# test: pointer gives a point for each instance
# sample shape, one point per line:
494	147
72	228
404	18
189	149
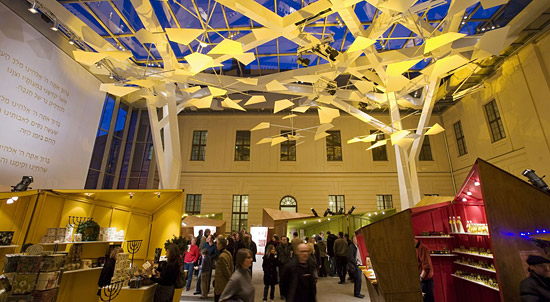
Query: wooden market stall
481	260
151	216
189	222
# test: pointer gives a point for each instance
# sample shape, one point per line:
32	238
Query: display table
142	294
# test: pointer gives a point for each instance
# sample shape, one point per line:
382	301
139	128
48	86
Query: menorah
109	292
132	246
76	221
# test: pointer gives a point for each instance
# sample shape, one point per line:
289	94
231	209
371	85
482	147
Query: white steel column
401	158
167	145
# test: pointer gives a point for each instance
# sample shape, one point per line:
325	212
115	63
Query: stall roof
431	200
7	195
146	200
191	221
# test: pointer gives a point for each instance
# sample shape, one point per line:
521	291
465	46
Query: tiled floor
328	289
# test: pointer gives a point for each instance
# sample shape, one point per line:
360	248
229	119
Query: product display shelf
8	246
472	254
476	267
443	255
82	270
49	243
433	237
470	234
475	282
95	242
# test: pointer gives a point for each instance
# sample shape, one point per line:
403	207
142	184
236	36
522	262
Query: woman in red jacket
188	262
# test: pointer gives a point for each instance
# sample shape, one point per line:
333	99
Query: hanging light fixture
33	9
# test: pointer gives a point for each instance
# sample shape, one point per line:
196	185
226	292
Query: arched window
288	204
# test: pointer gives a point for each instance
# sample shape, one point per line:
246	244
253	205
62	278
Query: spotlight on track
314	212
341	211
23	185
303	61
351	210
535	180
327	211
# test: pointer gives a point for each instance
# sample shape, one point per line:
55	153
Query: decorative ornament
89	230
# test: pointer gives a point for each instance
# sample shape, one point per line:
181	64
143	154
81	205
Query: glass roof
117	21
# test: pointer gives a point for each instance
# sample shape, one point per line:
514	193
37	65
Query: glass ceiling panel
140	53
185	19
269	63
81	13
163	14
108	16
287	7
439	12
286	46
128	11
364	11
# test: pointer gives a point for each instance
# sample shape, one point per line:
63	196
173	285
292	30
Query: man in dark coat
536	287
284	253
330	251
299	280
341	255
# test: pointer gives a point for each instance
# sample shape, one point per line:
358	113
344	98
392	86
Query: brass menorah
132	246
110	292
76	221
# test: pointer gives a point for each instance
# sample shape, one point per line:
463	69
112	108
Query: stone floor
328	289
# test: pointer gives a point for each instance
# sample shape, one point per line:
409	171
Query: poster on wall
49	109
259	235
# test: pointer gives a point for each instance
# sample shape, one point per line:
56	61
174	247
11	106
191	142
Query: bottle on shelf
459	225
455	225
452	225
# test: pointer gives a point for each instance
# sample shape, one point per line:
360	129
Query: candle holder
76	221
109	292
133	246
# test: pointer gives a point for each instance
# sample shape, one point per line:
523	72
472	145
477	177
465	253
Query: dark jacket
283	254
298	282
322	245
106	273
535	288
254	250
270	269
212	250
206	264
341	247
330	244
168	274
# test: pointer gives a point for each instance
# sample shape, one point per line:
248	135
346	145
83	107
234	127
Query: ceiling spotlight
23	185
341	211
476	183
329	219
314	212
327	211
469	193
158	196
111	76
54	26
202	44
98	65
33	8
535	180
303	61
464	199
131	195
9	201
351	210
71	42
304	222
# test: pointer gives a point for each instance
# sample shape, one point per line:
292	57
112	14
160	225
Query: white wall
49	109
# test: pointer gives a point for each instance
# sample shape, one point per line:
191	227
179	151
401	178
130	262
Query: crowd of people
292	265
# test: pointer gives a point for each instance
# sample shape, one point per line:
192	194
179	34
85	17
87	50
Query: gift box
6	237
69	233
23	284
28	263
20	298
47	280
45	295
86	263
52	262
51	232
61	232
77	238
10	263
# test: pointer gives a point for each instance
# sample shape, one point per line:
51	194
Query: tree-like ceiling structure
335	56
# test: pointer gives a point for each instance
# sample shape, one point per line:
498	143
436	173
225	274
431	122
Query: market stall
189	224
478	251
139	221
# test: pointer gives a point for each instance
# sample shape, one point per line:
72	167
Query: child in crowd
205	271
